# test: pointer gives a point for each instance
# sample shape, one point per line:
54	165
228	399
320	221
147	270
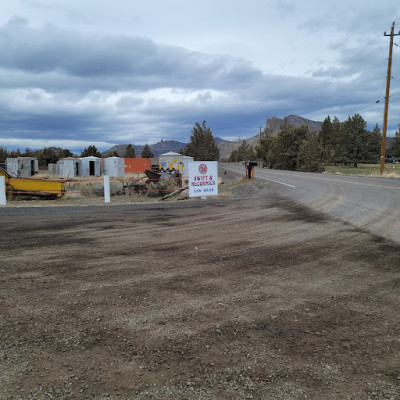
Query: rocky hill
274	123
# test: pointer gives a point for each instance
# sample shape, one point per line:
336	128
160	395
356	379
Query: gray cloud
116	62
77	85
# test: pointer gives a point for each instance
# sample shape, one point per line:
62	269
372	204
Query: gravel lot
249	297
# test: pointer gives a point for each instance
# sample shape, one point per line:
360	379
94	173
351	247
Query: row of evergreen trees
395	145
45	156
298	148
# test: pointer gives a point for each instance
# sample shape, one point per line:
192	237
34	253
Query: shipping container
137	164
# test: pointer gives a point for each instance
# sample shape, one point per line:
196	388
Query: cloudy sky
80	72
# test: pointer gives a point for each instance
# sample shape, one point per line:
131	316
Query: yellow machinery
32	187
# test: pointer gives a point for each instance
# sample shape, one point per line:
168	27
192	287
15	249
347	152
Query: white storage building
52	169
22	167
69	167
91	166
185	161
114	167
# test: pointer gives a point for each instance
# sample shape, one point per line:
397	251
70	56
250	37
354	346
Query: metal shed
69	167
185	161
22	167
91	166
114	167
52	169
175	161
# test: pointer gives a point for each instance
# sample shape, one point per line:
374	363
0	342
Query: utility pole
385	114
260	161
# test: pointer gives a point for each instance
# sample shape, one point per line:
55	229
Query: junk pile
162	183
155	183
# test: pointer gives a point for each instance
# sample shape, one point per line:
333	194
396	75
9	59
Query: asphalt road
369	203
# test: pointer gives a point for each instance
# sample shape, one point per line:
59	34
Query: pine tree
130	152
395	145
113	153
3	154
244	152
264	149
287	146
325	134
311	156
91	151
47	156
202	145
28	152
146	152
64	153
15	154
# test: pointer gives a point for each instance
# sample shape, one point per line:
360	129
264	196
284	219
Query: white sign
203	178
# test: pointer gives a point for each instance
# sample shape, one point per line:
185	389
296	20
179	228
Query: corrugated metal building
22	167
114	167
91	166
69	167
52	169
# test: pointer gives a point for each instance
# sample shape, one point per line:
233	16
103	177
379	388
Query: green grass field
391	170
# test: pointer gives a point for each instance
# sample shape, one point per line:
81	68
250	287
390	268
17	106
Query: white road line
266	179
282	183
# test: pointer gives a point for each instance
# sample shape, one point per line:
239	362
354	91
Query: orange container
137	164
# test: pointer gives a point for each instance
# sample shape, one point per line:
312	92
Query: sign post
203	178
106	189
3	200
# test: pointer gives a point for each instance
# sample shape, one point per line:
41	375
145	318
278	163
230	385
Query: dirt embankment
228	299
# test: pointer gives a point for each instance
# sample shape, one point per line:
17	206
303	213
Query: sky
86	72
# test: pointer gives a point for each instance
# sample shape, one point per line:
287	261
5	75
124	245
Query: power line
353	62
392	95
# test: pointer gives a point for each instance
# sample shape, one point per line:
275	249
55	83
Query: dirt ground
256	298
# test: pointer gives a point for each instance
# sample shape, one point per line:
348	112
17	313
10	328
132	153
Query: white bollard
3	200
106	189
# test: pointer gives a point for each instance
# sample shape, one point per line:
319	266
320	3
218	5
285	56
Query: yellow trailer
32	187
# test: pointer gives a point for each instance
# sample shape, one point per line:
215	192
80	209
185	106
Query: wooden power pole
385	114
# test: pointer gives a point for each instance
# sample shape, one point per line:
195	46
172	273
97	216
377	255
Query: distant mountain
119	148
158	148
274	125
218	140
